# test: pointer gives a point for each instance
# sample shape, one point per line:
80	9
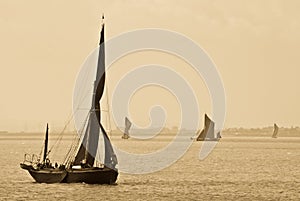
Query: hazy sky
255	45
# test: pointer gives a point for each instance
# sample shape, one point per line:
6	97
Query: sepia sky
254	44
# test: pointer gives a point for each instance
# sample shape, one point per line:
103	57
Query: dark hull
47	175
91	176
208	139
125	136
87	175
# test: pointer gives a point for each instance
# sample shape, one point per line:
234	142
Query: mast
108	113
89	145
88	148
46	144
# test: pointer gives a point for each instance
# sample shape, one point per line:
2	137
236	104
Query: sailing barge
127	127
275	131
81	166
208	132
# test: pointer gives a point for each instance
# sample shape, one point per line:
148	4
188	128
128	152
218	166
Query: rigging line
61	133
40	156
84	97
85	76
77	109
71	117
41	152
67	156
99	156
72	149
108	112
91	87
82	108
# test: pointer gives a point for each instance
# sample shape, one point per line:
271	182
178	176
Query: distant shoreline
229	132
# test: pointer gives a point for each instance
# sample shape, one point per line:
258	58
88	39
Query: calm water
239	168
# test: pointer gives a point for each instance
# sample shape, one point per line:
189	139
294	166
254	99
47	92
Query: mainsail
208	131
275	132
89	144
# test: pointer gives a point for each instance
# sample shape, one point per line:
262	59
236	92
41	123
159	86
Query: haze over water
254	45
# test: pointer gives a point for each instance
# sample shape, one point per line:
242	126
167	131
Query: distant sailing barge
275	132
127	127
208	132
80	164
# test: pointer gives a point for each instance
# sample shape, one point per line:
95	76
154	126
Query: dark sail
46	145
275	132
110	158
100	78
127	127
81	154
201	134
90	140
208	131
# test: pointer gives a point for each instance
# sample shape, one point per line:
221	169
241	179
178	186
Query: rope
72	151
41	152
61	134
83	87
71	116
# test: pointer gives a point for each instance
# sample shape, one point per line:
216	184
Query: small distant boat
219	135
208	132
127	127
275	131
80	164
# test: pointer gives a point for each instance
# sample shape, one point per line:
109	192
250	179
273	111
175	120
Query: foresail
110	158
92	144
81	153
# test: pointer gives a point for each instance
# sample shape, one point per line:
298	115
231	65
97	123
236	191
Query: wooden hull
87	175
47	175
91	176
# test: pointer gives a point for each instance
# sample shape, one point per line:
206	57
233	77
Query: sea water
239	168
